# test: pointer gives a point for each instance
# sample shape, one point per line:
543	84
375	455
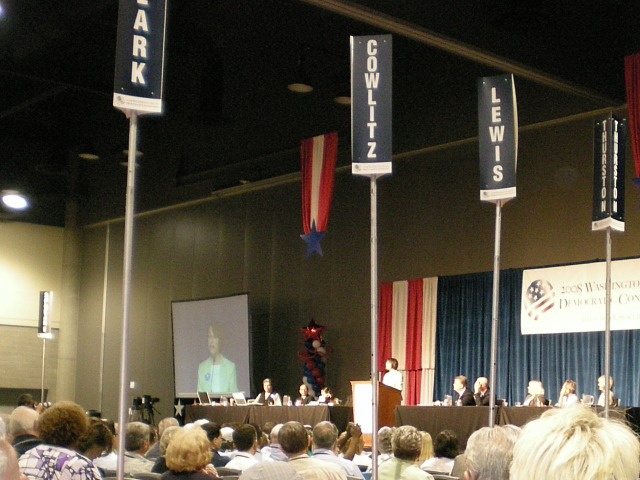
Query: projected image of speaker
211	346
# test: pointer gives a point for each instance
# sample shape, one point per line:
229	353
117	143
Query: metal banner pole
607	329
126	288
44	348
374	325
495	315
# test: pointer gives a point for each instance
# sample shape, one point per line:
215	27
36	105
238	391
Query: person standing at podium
393	378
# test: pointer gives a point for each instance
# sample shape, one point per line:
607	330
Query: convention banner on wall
572	298
497	137
608	174
140	56
371	88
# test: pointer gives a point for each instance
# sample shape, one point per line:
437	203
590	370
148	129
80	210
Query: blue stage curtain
463	345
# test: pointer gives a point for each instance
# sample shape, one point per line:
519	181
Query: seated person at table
216	374
575	443
462	397
268	396
304	397
445	448
245	439
613	401
326	396
482	392
568	395
406	443
393	378
535	395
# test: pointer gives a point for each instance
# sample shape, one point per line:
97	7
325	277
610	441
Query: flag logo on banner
541	297
318	157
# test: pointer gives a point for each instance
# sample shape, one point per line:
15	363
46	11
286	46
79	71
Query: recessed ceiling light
89	156
14	200
300	87
138	152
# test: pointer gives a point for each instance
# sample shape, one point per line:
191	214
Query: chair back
227	472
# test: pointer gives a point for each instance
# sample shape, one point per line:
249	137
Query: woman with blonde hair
188	456
427	448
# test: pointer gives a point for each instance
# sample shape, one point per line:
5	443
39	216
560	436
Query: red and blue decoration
318	157
632	81
314	357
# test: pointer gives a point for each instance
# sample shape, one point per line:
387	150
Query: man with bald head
22	427
325	439
294	442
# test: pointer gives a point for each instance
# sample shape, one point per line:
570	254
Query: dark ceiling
229	118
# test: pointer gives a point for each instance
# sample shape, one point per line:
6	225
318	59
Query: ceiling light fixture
301	83
14	200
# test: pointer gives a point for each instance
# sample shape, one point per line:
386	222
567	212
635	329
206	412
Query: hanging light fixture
301	82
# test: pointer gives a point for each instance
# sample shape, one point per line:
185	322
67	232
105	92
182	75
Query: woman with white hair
575	443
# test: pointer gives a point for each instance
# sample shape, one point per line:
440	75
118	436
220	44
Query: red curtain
385	314
632	79
414	342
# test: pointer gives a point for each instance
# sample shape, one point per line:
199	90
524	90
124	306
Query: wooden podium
388	399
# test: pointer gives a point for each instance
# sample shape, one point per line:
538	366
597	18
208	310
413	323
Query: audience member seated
293	440
489	453
575	443
188	456
325	440
568	395
160	465
60	427
97	439
215	437
482	392
385	451
445	448
406	443
271	471
9	463
108	461
26	400
350	442
274	452
426	451
535	395
261	441
393	378
268	396
22	427
462	397
154	452
136	444
613	401
246	441
304	397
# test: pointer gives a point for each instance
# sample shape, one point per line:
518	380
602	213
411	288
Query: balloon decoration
314	357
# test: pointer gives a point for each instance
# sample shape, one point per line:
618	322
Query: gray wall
430	223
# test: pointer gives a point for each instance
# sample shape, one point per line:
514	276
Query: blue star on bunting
313	241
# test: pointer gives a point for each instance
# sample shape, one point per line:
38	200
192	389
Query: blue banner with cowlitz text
371	88
497	137
608	174
140	56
